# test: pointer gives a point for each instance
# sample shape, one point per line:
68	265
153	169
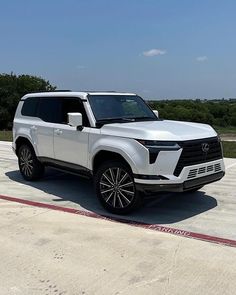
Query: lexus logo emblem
205	147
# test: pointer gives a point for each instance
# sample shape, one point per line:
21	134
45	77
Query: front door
70	144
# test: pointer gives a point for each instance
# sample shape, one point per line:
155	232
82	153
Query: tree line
12	88
220	113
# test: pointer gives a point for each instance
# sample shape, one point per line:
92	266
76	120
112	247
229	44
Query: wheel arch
106	155
22	140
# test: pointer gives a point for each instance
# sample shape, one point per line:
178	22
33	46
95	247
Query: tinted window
73	105
49	110
30	107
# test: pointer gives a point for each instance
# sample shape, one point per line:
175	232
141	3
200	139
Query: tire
115	188
30	167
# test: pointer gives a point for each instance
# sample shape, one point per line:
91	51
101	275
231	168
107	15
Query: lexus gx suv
118	141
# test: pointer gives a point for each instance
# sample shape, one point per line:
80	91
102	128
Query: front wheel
115	188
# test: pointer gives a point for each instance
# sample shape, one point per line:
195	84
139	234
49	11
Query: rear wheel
29	165
115	188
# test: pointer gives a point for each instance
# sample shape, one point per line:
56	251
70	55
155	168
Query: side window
30	107
49	110
73	105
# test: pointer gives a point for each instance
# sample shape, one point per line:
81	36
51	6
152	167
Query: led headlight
161	145
155	147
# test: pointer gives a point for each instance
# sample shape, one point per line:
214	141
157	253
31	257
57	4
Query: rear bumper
180	187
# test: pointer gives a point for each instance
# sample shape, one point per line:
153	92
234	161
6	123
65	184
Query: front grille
193	154
206	169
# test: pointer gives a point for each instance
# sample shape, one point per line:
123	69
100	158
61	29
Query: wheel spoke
27	170
123	178
117	175
108	179
24	153
126	184
125	198
118	196
127	192
28	155
114	199
108	198
107	190
105	184
112	175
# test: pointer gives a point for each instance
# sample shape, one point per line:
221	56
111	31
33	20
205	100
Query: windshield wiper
145	118
101	122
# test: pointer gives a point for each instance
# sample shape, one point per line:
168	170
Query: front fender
127	148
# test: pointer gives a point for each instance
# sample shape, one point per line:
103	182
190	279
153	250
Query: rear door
48	114
70	144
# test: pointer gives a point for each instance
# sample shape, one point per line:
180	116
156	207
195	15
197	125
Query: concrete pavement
50	252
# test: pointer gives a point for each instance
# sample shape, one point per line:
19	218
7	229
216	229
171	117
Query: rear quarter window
30	107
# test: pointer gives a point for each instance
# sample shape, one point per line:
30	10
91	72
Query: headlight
154	147
160	145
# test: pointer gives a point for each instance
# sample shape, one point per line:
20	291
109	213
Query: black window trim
55	97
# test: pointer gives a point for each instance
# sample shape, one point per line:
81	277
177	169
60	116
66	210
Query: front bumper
179	187
190	177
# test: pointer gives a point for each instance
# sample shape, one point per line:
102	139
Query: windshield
126	108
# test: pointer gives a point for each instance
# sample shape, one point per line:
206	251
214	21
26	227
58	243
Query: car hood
160	130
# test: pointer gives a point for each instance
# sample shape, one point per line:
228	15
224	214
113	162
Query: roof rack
98	91
61	90
36	91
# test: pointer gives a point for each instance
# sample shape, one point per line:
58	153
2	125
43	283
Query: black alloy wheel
116	188
29	165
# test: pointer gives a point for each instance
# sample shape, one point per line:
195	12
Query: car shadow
162	208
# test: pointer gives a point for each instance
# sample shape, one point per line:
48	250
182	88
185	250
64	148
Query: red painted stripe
156	227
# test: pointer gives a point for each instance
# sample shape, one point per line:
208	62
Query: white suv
116	139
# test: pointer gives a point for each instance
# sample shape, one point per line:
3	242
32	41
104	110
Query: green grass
229	147
231	130
6	135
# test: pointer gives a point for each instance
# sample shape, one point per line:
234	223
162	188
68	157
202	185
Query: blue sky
157	48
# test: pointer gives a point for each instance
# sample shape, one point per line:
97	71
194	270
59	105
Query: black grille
193	154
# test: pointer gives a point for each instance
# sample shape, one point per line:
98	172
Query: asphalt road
49	252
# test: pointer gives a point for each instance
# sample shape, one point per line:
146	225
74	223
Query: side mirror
75	119
156	113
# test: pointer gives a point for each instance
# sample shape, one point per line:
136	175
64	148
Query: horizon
168	49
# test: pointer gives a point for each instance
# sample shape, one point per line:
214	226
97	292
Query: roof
82	94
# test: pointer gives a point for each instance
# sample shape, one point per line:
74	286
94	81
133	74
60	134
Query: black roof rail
61	90
98	91
35	91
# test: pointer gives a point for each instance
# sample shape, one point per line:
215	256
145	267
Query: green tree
12	88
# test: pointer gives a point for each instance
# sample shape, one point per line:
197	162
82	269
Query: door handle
58	131
34	128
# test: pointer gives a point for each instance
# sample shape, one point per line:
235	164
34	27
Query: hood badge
205	147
